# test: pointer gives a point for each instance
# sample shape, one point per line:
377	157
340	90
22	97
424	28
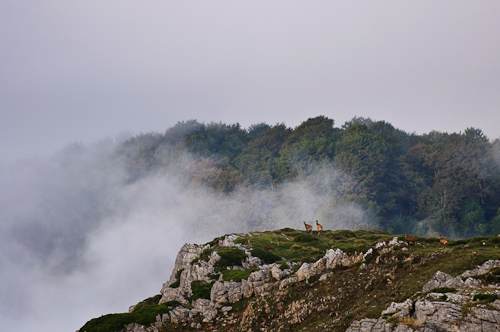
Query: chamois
410	239
320	228
308	227
444	241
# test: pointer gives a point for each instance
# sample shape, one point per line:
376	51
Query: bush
144	315
201	290
304	238
444	290
237	275
266	256
230	256
177	282
485	297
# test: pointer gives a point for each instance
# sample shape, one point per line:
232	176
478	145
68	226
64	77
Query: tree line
423	184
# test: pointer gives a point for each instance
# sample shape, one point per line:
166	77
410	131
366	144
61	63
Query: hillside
434	183
290	280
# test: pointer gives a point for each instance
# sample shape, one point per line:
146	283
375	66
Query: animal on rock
410	239
308	227
320	228
443	241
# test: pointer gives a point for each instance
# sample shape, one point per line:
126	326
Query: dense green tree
426	184
311	142
260	160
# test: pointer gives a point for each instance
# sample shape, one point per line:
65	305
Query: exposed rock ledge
455	310
187	269
431	310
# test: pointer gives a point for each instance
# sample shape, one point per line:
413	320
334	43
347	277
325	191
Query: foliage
266	256
434	183
143	314
201	290
485	297
365	293
237	275
230	256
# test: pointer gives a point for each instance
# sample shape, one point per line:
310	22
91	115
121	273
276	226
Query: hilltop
290	280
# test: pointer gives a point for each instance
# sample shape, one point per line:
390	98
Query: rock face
185	272
332	259
450	311
446	303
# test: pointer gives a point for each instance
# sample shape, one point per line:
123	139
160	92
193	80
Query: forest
429	184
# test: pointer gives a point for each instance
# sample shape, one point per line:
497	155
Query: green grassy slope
349	293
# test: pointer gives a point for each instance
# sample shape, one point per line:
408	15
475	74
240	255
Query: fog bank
78	239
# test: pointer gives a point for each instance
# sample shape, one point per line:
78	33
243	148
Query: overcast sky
86	70
83	71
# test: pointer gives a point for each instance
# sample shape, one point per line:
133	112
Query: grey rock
442	315
482	269
370	325
288	281
179	314
441	280
400	310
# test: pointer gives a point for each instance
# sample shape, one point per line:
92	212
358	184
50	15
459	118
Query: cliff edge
288	280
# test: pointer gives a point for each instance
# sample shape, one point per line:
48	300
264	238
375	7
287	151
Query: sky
81	72
76	243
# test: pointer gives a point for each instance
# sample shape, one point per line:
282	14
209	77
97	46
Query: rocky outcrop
189	267
446	303
331	259
454	310
178	288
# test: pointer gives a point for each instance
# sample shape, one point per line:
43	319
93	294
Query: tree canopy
424	184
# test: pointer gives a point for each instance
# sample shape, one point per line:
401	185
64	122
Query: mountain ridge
289	280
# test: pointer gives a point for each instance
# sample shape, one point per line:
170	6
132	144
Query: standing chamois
410	239
308	228
443	241
320	228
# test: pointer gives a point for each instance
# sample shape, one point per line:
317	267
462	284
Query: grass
444	290
237	275
201	290
144	314
266	256
485	298
358	293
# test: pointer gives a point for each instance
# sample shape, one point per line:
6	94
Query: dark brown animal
308	227
320	228
410	239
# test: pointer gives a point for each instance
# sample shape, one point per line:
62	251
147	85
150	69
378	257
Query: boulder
400	310
441	280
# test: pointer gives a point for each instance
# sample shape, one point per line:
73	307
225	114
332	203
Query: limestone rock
288	281
441	280
370	325
189	272
482	269
438	314
400	310
179	314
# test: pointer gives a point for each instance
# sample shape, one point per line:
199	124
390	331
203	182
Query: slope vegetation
290	280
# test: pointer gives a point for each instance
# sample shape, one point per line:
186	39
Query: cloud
79	240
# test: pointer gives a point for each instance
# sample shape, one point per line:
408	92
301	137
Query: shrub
444	290
201	290
144	315
177	282
229	256
237	275
485	297
305	238
266	256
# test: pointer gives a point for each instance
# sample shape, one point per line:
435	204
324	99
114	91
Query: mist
78	239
